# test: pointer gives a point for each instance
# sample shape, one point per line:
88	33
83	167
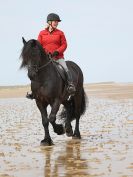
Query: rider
53	41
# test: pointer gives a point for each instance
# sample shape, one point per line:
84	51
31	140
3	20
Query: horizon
92	83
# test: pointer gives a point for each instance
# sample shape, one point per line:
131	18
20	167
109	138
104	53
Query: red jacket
54	41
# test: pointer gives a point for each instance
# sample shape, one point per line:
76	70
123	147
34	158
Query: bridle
36	68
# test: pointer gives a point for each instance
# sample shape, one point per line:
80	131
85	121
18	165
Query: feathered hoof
47	142
76	136
69	132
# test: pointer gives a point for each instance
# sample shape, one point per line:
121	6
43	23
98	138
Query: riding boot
71	87
30	96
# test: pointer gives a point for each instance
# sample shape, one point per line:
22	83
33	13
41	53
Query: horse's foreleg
47	141
58	128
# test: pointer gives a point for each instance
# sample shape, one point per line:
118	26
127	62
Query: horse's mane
32	50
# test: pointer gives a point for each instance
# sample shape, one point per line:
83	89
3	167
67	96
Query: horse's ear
33	44
24	41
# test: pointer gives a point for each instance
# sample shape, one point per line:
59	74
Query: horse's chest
44	94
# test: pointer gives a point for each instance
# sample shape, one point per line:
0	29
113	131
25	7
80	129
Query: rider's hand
55	54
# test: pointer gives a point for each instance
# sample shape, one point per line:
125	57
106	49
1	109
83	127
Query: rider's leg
30	96
71	87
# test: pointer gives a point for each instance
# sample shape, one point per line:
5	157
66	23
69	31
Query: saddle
61	71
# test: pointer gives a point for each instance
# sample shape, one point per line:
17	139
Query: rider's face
54	24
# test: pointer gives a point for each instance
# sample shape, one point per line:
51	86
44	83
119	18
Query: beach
105	149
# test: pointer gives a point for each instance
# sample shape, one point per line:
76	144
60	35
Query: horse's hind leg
58	128
68	126
47	141
76	134
77	101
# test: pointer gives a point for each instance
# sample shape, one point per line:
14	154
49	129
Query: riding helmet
53	17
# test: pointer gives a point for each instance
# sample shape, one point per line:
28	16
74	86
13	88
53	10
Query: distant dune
110	90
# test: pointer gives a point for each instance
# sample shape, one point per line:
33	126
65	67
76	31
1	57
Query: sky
99	34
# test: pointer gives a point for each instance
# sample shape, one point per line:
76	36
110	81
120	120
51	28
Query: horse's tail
71	107
83	102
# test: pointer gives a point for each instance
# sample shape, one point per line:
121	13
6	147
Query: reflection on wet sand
69	161
47	161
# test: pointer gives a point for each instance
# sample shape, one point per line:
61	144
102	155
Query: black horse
49	88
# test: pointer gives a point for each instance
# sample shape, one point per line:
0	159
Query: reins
36	68
51	60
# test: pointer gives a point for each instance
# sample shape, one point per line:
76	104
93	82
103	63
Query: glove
55	54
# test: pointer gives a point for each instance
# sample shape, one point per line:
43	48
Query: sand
106	147
13	91
104	90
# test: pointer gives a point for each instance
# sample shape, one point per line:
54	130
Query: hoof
59	129
76	136
69	132
46	142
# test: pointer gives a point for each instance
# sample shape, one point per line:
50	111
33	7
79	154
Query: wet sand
106	147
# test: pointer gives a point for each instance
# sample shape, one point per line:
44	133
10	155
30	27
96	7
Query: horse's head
32	54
